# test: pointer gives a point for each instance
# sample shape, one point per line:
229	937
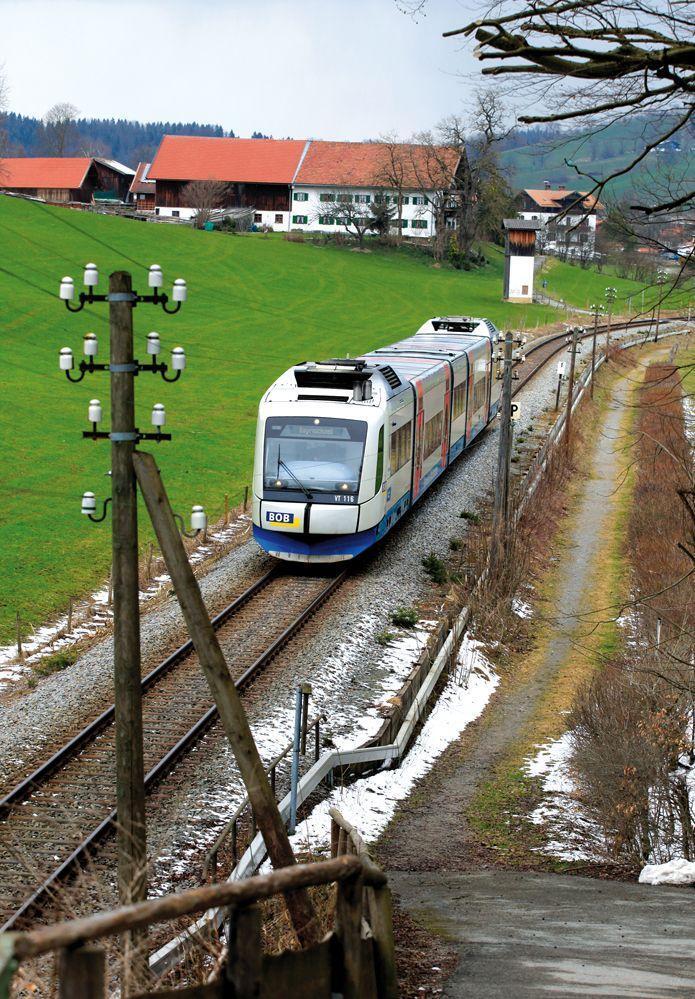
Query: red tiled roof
364	164
140	186
549	198
54	172
251	161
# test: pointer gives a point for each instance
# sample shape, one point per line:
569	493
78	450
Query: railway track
53	818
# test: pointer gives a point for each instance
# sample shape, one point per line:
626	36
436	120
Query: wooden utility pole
130	788
501	503
574	341
596	310
231	710
611	295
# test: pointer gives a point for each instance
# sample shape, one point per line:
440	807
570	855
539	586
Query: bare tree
357	216
435	168
61	129
393	174
614	58
483	196
204	196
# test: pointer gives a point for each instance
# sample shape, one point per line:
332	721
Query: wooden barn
258	173
142	190
65	179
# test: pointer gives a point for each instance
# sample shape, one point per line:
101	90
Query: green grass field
256	305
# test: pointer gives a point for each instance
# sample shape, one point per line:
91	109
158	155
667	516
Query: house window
156	211
362	199
418	199
300	219
278	219
419	223
459	400
301	196
433	434
345	198
406	200
258	217
524	289
403	223
326	220
326	196
176	213
401	444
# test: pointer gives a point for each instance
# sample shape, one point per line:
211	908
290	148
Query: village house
295	184
142	190
66	179
568	219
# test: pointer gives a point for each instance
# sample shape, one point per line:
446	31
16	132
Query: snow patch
675	872
521	608
94	613
370	803
570	833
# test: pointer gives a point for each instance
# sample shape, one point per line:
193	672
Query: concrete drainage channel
388	748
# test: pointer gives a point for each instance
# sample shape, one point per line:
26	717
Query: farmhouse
408	177
142	190
295	184
574	234
258	174
66	179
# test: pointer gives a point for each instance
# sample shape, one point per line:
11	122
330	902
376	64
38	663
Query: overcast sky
333	69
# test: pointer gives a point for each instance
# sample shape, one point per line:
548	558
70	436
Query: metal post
559	388
317	736
593	354
295	760
576	331
658	632
501	505
306	691
130	788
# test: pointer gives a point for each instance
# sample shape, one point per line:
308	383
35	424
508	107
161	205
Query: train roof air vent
390	375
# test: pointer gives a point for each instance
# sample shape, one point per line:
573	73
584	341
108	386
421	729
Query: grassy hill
600	153
256	305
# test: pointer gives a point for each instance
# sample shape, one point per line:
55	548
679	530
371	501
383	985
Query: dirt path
435	815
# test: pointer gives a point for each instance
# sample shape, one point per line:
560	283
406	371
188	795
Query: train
345	448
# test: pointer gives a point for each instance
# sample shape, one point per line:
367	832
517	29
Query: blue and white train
344	448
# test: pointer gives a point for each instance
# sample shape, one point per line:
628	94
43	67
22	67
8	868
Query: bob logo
280	518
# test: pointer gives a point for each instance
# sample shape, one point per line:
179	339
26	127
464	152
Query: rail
355	958
105	827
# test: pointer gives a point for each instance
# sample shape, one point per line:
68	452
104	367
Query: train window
460	400
318	454
433	434
379	462
479	387
401	447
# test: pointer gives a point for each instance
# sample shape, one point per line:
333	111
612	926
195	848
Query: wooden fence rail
355	959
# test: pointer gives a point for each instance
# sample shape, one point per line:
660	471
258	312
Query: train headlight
344	486
278	483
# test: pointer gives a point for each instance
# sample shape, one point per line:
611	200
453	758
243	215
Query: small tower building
519	254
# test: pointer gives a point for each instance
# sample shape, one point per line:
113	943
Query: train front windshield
315	454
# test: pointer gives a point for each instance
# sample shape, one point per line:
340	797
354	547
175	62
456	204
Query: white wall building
567	218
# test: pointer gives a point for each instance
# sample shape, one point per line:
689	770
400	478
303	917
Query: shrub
455	544
405	617
470	516
435	568
384	637
55	663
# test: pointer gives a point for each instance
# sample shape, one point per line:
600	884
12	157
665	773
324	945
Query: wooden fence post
224	692
245	951
348	916
226	508
246	497
82	972
381	922
20	650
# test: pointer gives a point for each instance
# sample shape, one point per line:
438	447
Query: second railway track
52	818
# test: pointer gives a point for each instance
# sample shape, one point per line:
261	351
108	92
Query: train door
419	436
